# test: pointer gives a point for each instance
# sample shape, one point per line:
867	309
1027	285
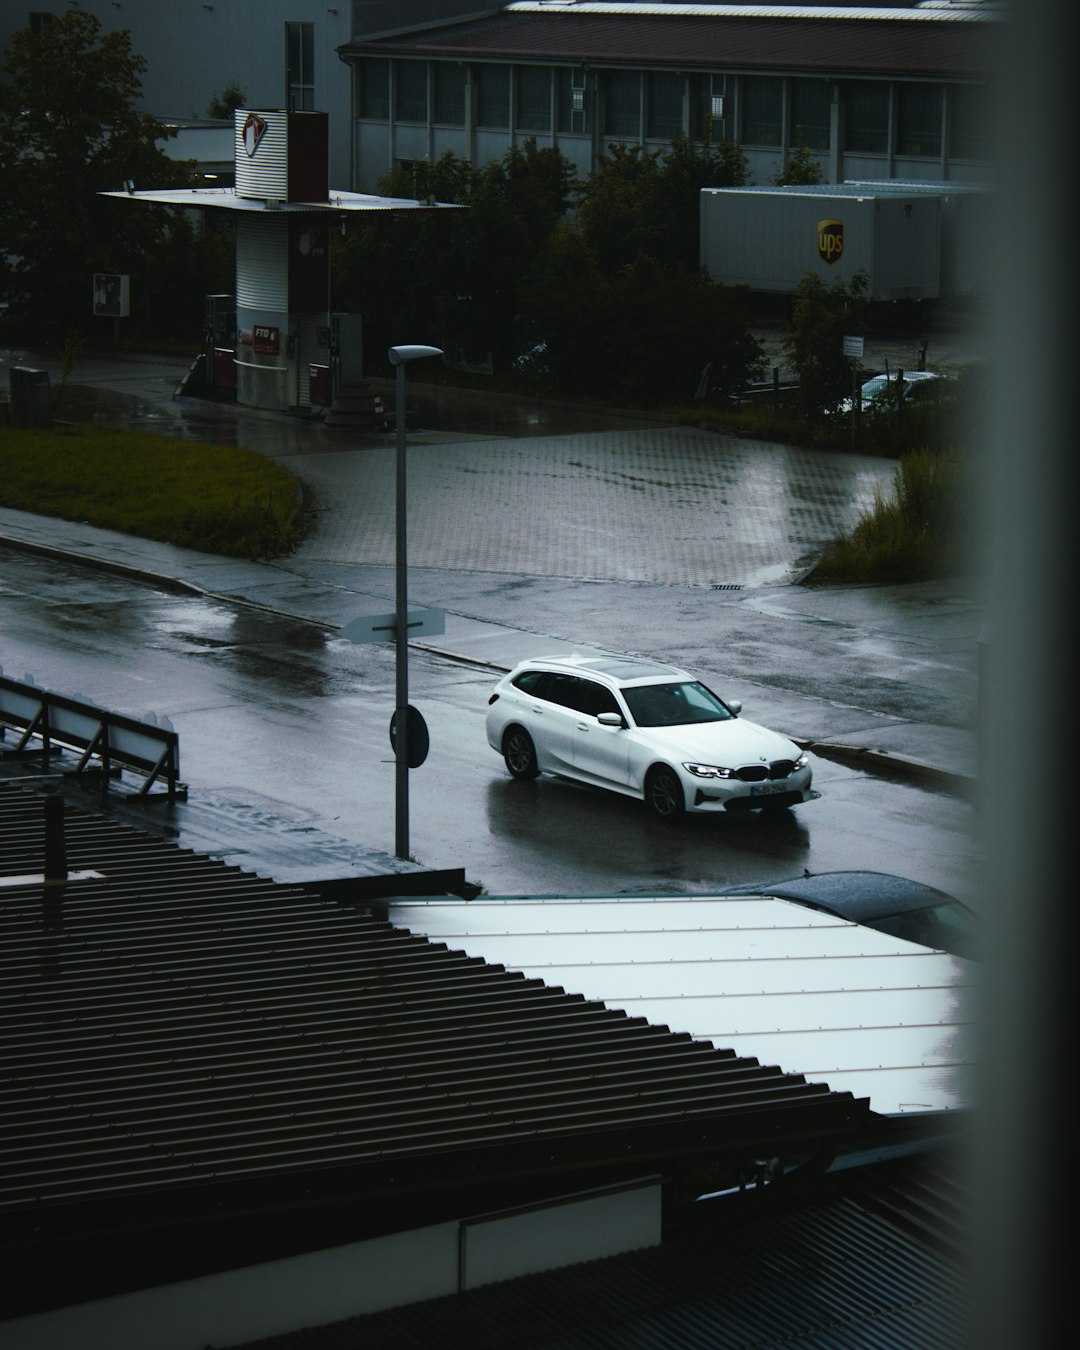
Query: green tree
638	203
803	169
456	278
69	130
821	316
223	105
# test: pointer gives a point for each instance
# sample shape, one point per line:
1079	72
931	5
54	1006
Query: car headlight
802	761
708	771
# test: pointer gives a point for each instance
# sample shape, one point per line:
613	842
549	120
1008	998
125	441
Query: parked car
891	904
643	729
881	392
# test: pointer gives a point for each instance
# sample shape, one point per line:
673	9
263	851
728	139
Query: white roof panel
814	995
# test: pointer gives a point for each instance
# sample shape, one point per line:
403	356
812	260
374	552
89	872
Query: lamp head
400	355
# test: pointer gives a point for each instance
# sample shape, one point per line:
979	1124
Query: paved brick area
665	504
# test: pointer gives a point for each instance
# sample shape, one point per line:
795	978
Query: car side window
534	683
567	691
600	700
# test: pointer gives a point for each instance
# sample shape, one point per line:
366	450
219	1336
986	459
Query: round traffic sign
416	750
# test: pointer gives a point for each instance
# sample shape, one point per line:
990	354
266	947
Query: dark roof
809	45
190	1050
875	1255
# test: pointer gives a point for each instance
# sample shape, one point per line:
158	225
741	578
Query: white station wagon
644	729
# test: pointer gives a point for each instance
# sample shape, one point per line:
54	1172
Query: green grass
218	499
919	533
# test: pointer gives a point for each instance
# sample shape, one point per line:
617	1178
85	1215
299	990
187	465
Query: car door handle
583	726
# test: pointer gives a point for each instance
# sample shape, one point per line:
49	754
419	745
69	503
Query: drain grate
727	586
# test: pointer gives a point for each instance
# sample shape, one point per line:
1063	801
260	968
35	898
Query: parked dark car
895	905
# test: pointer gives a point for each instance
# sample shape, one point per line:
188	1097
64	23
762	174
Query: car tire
519	753
664	793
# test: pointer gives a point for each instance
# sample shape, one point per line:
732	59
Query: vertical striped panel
265	172
262	262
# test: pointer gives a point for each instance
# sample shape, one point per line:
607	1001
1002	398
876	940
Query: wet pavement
625	534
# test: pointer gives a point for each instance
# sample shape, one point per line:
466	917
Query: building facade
871	93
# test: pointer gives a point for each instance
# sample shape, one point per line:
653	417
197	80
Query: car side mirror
610	719
735	704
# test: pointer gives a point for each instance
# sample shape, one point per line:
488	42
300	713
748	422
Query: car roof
855	895
620	669
908	375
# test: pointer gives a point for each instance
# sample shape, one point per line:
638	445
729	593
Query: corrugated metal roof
181	1040
802	43
839	1003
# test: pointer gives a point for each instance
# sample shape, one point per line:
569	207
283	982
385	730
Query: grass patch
919	533
218	499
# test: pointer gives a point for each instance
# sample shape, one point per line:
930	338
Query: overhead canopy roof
225	199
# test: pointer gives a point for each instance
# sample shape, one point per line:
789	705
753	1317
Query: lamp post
400	357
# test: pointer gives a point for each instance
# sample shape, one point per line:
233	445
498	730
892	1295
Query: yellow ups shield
830	240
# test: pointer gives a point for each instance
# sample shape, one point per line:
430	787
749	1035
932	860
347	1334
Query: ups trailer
968	230
767	239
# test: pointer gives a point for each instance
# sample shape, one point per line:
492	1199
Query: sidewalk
659	539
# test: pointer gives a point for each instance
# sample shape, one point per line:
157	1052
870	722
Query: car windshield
947	928
876	387
680	703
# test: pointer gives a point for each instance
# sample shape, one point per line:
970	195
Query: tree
69	130
638	203
803	169
821	316
223	105
457	278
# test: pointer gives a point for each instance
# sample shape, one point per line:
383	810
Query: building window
866	118
762	110
571	101
449	93
622	105
969	123
375	89
664	119
493	96
711	109
300	67
38	19
811	114
533	92
918	120
410	91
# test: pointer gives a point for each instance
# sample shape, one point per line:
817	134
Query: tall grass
920	532
218	499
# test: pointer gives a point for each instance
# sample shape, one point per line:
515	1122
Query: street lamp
400	357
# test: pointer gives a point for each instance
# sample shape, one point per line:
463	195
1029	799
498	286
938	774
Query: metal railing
43	723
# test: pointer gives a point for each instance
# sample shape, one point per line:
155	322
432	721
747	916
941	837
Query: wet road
282	716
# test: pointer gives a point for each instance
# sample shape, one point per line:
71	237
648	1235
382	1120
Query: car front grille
758	773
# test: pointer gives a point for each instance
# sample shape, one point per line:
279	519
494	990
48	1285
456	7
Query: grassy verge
921	532
217	499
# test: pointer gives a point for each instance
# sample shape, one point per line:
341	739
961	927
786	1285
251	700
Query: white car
882	391
644	729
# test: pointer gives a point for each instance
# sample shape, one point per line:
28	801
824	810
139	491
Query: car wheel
520	753
664	793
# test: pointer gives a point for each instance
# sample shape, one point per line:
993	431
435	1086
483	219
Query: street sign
383	627
853	346
419	741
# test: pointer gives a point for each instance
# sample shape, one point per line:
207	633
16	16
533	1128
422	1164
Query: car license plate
765	789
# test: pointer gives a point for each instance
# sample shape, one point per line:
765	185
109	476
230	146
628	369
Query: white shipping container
769	238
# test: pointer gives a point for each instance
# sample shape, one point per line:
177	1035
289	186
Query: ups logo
830	240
